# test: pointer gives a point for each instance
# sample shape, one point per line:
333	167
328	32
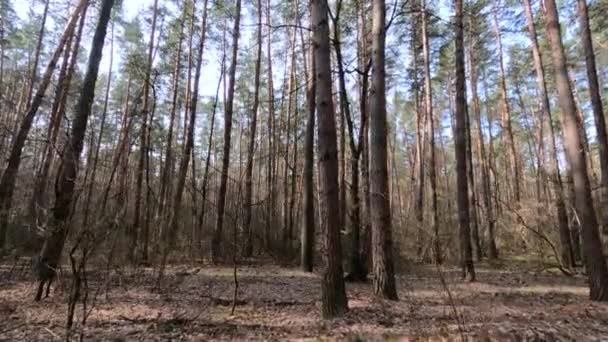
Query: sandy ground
283	304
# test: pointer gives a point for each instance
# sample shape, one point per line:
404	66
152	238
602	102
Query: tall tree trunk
382	244
168	169
143	148
308	230
248	248
428	105
597	271
511	161
598	110
466	253
271	135
57	113
333	294
567	254
171	233
481	149
66	180
37	53
420	144
9	177
221	197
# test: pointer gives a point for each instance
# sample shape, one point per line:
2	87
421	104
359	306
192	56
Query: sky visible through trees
267	169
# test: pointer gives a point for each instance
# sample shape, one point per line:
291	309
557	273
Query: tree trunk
168	169
598	111
382	244
248	248
428	105
334	302
567	254
57	113
9	177
143	148
101	132
37	53
511	161
481	149
466	253
597	271
171	233
221	197
66	180
308	230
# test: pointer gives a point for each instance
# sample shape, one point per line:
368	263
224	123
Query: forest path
283	304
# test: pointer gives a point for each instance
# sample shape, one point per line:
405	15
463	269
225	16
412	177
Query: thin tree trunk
511	161
171	233
221	198
37	53
483	158
248	248
308	230
143	148
9	177
168	169
428	105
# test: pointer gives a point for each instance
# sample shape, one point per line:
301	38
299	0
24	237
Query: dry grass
283	304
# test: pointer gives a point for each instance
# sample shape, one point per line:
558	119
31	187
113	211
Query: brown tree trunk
597	271
168	169
66	180
598	110
481	150
248	248
37	53
271	210
9	177
567	254
428	105
221	197
171	233
382	244
101	132
143	149
466	253
308	230
57	113
511	161
334	302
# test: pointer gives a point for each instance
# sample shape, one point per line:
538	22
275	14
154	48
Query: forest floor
505	304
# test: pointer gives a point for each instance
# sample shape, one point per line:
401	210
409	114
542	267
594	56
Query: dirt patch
283	304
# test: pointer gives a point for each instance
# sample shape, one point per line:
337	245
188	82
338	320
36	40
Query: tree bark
428	105
466	253
511	161
66	180
598	110
597	271
567	254
221	197
143	148
334	302
382	244
248	248
9	177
